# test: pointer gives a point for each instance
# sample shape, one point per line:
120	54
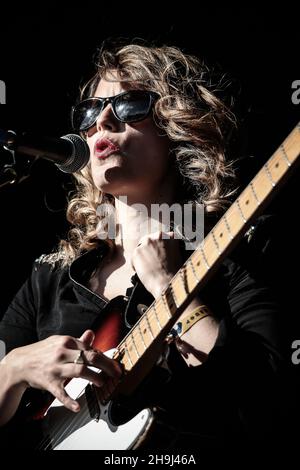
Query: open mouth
104	148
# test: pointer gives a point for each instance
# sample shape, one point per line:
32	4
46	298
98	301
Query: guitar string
60	430
133	336
76	421
55	433
127	341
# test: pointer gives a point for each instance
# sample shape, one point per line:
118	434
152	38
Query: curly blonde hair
191	114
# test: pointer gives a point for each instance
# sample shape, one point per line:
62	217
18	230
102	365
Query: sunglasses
129	106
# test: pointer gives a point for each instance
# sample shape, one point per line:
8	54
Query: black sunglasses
128	106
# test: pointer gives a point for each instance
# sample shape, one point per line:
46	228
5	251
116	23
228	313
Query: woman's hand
156	260
49	363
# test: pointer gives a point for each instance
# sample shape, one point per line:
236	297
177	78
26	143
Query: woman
157	135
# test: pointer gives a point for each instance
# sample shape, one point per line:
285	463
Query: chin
106	187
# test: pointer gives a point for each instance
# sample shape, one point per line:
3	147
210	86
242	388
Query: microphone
70	152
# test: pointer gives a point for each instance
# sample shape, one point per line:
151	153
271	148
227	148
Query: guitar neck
200	266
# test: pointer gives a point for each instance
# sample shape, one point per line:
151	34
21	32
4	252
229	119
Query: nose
106	120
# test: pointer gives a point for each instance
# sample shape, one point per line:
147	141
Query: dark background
46	52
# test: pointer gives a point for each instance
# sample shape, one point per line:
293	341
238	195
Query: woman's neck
136	217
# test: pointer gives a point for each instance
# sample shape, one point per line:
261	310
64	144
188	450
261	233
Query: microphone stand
15	171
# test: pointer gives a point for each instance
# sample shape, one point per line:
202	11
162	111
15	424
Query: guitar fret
156	316
174	296
215	241
128	355
285	155
135	346
141	334
269	174
227	226
183	280
169	299
193	270
254	193
166	306
204	257
149	326
240	210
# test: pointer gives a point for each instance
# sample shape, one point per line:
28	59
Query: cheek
90	143
156	152
146	143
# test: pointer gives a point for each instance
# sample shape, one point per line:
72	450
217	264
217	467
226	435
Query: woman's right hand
47	365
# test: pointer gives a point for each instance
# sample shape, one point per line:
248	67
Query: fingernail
75	407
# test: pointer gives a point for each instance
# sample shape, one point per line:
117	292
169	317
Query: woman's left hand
156	260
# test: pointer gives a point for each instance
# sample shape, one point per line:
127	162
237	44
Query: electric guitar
95	426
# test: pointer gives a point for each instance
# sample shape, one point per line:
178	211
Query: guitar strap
139	299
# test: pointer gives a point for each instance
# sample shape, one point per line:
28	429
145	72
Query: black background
46	52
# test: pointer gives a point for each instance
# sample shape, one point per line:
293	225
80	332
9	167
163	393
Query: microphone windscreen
79	157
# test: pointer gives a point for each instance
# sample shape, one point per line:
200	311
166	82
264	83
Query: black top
232	394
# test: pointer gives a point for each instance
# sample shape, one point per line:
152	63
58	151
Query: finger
107	389
79	356
94	358
132	266
142	239
70	343
60	393
97	359
170	234
111	385
161	235
87	338
82	371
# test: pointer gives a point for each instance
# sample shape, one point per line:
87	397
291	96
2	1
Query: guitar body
92	428
97	426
